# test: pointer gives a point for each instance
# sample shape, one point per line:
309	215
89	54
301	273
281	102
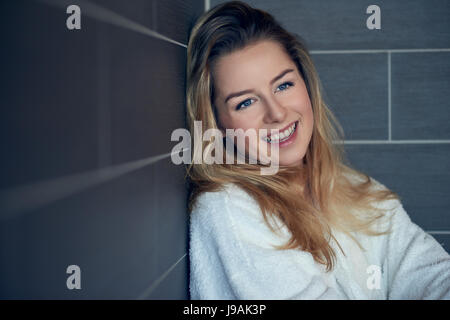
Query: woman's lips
280	130
291	138
281	142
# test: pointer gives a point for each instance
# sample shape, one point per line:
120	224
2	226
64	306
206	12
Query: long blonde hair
330	197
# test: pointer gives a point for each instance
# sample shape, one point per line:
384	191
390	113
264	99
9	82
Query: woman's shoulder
233	211
233	205
229	199
226	193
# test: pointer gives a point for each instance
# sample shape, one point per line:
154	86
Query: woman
316	229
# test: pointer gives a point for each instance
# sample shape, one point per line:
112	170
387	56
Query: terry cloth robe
232	257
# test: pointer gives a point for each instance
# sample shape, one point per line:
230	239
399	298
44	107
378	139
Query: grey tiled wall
389	89
85	173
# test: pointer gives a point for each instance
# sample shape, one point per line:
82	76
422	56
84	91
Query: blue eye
285	86
282	87
244	103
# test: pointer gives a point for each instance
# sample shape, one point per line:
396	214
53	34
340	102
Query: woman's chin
291	162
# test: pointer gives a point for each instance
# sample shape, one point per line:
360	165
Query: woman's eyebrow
240	93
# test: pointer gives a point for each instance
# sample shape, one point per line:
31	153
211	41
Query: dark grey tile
357	95
175	18
49	90
123	235
444	240
146	98
73	101
332	25
419	173
172	19
138	11
420	91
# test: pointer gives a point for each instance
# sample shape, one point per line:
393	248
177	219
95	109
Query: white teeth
282	136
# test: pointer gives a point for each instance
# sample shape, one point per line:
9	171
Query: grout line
105	15
155	283
17	200
378	51
207	5
389	97
438	232
394	142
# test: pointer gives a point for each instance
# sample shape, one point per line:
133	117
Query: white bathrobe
231	257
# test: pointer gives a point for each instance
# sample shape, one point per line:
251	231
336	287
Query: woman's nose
274	111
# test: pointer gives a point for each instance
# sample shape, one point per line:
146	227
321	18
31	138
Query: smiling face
260	87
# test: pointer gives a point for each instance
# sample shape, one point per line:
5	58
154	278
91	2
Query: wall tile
176	17
419	173
357	96
334	25
78	101
146	94
139	11
444	240
48	122
123	234
175	286
420	91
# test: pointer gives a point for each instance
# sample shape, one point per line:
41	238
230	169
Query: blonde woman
316	229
